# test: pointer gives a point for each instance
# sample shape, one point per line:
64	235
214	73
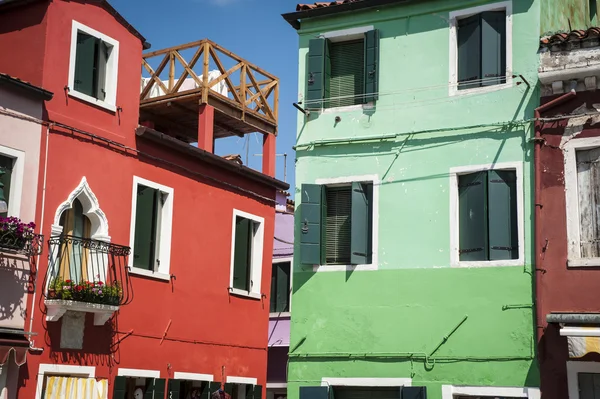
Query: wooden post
206	123
205	68
268	158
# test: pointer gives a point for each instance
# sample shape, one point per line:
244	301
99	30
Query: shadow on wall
14	285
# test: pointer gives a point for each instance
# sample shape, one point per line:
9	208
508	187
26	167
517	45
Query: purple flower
100	292
66	287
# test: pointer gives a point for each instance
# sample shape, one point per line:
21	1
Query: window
583	380
343	70
132	387
337	223
151	228
6	173
484	397
12	165
243	388
74	257
93	69
482	392
363	391
281	287
246	254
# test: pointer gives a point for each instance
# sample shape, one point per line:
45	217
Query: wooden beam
169	49
224	75
264	102
154	76
188	68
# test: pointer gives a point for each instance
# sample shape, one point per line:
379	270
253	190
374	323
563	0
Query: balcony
86	275
17	237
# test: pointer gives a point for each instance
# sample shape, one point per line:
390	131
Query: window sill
244	293
136	271
491	263
280	314
454	92
347	108
583	262
92	100
344	268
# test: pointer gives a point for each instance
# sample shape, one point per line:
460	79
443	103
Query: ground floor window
68	386
138	387
363	392
583	379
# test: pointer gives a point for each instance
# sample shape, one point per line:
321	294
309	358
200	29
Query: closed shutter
145	228
346	84
244	233
472	213
102	60
174	388
589	385
493	47
469	52
371	65
257	391
588	181
502	215
85	59
149	391
314	393
361	224
214	386
229	388
414	393
159	388
280	287
366	393
316	73
311	215
120	388
338	225
6	166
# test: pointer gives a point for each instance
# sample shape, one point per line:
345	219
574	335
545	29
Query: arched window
75	253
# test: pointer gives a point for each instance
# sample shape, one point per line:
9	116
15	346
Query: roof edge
32	89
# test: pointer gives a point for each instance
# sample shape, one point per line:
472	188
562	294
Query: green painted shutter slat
469	52
257	391
273	299
365	393
242	253
472	199
371	65
213	386
120	387
159	388
314	393
338	225
283	287
149	392
502	215
346	84
145	228
174	388
311	224
493	47
361	226
102	59
85	55
229	388
6	164
414	393
316	73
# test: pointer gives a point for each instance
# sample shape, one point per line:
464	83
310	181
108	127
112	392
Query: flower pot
51	293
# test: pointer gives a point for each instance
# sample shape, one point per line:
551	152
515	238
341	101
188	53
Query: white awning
581	340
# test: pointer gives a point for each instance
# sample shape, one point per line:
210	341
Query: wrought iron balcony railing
26	244
86	270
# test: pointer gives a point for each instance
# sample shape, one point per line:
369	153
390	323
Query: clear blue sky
252	29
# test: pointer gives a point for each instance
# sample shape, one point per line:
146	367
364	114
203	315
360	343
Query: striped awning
581	340
75	388
17	344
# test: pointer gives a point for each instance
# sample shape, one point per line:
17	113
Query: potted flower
14	234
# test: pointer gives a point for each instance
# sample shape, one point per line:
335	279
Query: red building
157	276
567	162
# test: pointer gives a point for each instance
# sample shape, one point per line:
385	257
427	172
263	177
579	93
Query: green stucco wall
557	14
415	299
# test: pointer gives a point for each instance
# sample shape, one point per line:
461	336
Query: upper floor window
6	169
246	254
281	287
93	67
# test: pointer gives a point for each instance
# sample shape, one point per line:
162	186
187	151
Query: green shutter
102	60
174	388
213	386
347	82
316	73
149	392
472	213
273	299
257	391
229	388
159	388
249	390
314	393
414	393
6	166
502	215
85	57
361	224
244	232
145	228
493	47
311	214
371	65
469	52
283	287
338	225
120	388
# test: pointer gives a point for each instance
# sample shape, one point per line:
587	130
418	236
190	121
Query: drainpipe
538	142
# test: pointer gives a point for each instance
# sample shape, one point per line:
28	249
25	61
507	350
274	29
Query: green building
413	272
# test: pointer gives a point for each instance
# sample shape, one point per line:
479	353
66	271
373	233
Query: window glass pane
346	83
338	228
6	167
86	64
589	385
472	217
469	52
146	214
244	235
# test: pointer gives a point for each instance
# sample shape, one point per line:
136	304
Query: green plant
14	234
86	291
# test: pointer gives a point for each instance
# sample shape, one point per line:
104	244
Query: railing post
205	68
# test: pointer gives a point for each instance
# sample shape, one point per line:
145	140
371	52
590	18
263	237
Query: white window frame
467	12
16	180
573	369
449	392
61	369
454	214
256	263
164	231
180	375
242	382
138	373
365	382
374	265
570	149
289	259
112	68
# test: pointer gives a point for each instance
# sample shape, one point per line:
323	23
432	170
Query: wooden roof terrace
179	79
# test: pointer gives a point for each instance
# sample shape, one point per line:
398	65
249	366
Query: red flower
68	281
100	283
79	288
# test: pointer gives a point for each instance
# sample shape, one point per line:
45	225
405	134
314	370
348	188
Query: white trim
242	380
164	231
366	382
178	375
276	385
467	12
579	332
574	368
257	256
572	201
347	34
45	368
112	68
454	209
449	392
138	373
289	259
374	257
16	180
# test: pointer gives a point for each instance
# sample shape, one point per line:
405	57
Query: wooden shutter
280	287
469	52
589	385
366	393
338	225
346	84
6	165
149	392
588	181
102	60
502	215
493	47
159	388
145	228
316	73
414	393
213	386
85	55
174	388
229	388
120	388
314	393
371	66
311	214
361	224
244	233
472	216
257	391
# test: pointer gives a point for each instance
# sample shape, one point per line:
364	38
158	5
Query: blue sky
252	29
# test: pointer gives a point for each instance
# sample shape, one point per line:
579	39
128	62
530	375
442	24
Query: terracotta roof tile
575	39
321	4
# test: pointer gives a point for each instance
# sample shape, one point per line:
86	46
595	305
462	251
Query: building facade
413	274
158	250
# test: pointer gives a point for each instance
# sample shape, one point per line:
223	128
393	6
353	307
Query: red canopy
13	343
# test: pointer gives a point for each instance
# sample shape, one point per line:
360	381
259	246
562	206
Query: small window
6	173
346	83
245	233
134	387
488	222
588	178
280	287
589	385
486	397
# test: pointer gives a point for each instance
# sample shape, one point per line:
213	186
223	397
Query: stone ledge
56	308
